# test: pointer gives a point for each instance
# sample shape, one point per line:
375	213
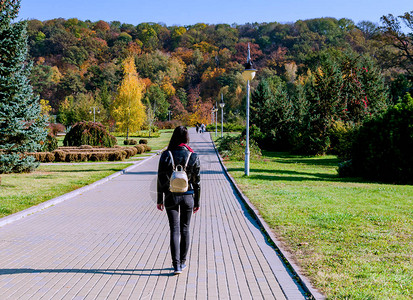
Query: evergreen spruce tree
22	127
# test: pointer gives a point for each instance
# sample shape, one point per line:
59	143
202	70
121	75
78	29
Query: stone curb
34	209
267	231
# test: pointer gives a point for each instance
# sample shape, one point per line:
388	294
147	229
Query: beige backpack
179	179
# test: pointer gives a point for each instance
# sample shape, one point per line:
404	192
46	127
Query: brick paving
111	243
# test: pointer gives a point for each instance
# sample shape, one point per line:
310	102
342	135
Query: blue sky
186	12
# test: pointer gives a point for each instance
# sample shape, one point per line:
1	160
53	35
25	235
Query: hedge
86	153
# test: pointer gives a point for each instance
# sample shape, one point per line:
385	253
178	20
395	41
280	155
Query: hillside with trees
313	75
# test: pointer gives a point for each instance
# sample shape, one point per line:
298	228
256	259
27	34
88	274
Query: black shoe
183	267
177	270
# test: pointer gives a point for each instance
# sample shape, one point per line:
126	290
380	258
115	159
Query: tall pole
247	145
216	119
222	122
94	118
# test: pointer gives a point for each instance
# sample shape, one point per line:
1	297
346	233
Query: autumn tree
127	108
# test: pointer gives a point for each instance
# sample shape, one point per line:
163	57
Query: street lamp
222	104
94	112
169	115
248	75
216	119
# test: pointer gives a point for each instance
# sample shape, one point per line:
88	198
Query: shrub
59	155
130	142
233	147
81	156
382	149
50	143
140	149
143	141
168	124
49	157
116	155
228	127
342	138
56	128
71	157
89	133
39	156
147	148
99	156
134	151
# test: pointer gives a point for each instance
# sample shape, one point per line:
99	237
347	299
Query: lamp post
248	75
94	112
169	115
222	104
216	119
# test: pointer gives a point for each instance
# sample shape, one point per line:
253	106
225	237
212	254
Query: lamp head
249	72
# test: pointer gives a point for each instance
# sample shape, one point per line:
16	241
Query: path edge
302	280
34	209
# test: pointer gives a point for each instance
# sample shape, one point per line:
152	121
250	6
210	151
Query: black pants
179	217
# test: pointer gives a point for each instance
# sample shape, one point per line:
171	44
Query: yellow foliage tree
127	109
45	107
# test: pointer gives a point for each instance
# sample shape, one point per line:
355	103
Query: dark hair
179	136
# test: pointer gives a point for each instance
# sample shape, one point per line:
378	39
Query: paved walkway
112	243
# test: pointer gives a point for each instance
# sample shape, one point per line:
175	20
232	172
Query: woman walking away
179	192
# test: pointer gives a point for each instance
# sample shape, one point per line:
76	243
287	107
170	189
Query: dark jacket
180	155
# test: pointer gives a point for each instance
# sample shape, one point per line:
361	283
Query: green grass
21	191
352	238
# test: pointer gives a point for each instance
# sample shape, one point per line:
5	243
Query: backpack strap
172	159
187	160
173	163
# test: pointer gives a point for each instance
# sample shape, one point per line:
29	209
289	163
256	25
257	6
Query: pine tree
22	127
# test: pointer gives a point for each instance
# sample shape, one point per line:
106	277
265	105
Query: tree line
184	69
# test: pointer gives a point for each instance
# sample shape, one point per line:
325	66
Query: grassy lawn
21	191
156	143
352	238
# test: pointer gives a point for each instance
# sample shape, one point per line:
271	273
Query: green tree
272	112
22	126
155	98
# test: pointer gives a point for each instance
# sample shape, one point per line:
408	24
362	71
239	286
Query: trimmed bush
143	141
82	156
71	157
49	157
89	133
116	155
139	148
86	147
59	155
134	151
147	148
130	142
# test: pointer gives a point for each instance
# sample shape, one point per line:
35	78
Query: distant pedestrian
197	127
179	206
202	128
